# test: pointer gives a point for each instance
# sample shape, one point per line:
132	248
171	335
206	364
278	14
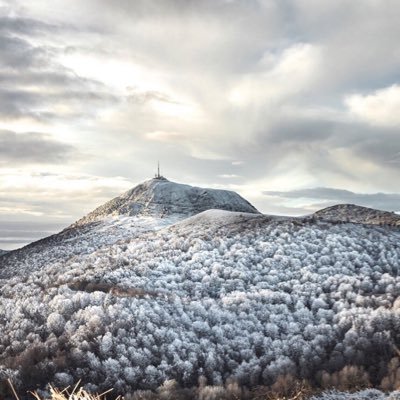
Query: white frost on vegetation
221	295
368	394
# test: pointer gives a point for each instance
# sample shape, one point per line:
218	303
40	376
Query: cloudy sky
295	104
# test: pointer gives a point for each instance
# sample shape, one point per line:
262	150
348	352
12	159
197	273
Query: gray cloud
33	84
18	53
381	147
140	97
32	147
384	201
25	26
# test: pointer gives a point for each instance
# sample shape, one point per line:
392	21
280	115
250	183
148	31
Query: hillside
131	301
251	299
161	198
149	206
358	215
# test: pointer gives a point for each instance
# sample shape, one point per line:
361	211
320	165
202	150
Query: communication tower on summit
158	175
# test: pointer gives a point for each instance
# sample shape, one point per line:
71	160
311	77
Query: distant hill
162	198
358	215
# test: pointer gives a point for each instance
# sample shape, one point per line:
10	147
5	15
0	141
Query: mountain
149	288
2	252
149	206
358	215
161	198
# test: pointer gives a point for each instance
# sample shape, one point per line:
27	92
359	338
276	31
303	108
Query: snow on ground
214	219
77	241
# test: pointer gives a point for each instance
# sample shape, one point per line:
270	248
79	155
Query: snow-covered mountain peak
162	198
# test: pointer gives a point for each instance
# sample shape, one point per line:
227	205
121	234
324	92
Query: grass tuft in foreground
77	393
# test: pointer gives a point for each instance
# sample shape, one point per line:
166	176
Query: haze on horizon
294	104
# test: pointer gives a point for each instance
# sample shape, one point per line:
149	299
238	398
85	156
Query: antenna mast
158	175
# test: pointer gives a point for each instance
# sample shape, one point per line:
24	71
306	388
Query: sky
294	104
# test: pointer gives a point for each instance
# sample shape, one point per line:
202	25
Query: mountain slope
149	206
221	295
358	215
161	198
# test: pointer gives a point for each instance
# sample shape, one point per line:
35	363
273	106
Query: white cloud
163	136
381	108
278	77
49	194
228	176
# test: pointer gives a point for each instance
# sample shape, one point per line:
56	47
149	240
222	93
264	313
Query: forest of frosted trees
248	301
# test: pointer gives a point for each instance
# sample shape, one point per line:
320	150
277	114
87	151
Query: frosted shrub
56	323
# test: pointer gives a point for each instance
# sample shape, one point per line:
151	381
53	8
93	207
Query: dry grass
286	387
297	391
77	393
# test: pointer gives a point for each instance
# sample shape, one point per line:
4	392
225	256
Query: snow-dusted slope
214	219
220	295
162	198
78	240
149	206
358	215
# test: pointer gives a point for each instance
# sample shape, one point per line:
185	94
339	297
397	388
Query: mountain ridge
358	214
